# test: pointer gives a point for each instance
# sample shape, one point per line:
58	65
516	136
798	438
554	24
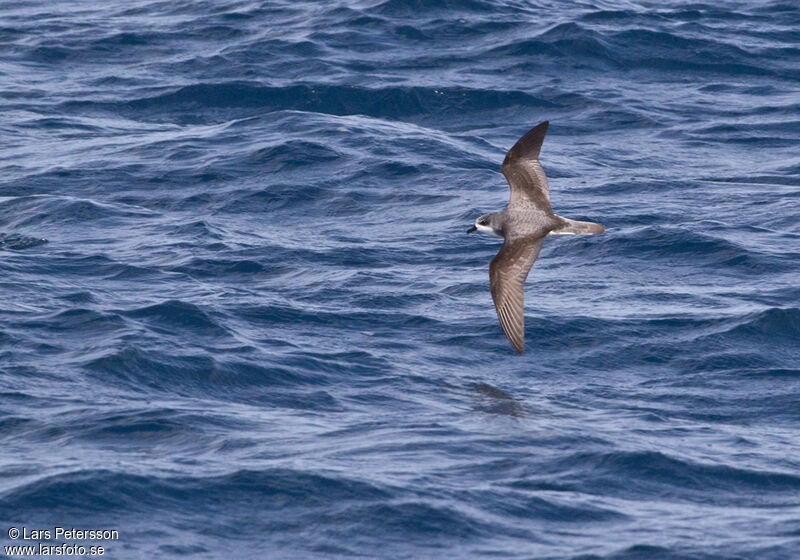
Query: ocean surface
240	316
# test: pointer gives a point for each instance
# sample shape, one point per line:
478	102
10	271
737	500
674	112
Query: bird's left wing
507	274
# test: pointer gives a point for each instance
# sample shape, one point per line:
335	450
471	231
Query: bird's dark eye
482	222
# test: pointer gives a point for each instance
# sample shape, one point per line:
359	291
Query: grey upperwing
524	173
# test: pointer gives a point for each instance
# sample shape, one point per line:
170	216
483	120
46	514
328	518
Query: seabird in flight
524	224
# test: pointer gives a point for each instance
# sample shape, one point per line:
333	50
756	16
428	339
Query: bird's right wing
507	274
523	171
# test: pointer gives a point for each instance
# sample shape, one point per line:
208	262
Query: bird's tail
574	227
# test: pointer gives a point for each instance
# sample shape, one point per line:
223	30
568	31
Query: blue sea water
240	316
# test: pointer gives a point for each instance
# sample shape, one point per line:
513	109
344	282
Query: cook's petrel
524	224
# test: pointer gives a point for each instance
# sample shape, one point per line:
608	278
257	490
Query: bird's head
489	223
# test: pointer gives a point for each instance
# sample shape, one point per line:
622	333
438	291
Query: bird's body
524	224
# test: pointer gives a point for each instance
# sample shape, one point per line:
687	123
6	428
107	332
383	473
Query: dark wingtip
529	146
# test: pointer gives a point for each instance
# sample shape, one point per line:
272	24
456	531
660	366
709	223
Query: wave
195	375
685	247
97	491
641	49
629	473
17	242
770	323
385	102
178	316
27	211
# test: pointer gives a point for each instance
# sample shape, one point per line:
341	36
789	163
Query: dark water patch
112	43
390	102
7	340
523	505
277	196
77	127
387	301
788	179
17	242
722	360
420	519
82	265
175	316
291	155
413	8
647	551
561	40
17	426
683	247
215	268
123	46
675	479
133	430
198	229
99	491
490	400
771	323
77	319
198	376
608	16
790	374
126	429
647	48
736	132
356	363
79	297
638	48
154	370
41	210
356	320
775	329
395	169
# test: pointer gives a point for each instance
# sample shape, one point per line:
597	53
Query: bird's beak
470	230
